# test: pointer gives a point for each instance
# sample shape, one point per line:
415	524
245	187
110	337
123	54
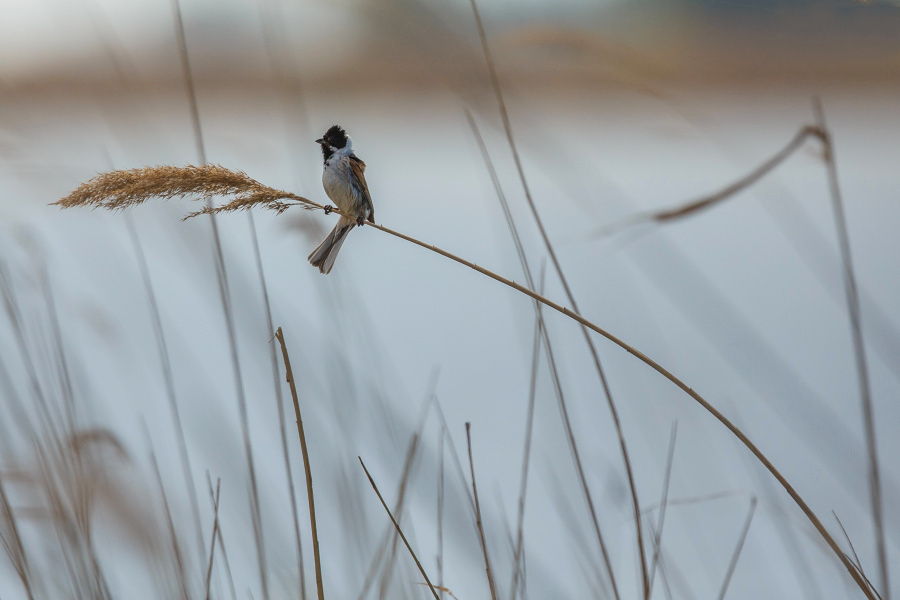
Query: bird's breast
336	181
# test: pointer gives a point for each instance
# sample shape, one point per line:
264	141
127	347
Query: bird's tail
323	257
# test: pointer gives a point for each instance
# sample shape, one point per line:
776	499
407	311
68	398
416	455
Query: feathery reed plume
118	190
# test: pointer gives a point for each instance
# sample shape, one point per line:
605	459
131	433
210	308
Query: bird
346	186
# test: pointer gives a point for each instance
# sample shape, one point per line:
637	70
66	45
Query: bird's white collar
346	150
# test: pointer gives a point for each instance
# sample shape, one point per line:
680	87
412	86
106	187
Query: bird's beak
320	141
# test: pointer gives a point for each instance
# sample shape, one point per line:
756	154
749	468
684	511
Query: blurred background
122	403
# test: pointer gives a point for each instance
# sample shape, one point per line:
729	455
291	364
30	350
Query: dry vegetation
121	189
75	467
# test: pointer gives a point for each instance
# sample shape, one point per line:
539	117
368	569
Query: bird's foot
328	209
360	221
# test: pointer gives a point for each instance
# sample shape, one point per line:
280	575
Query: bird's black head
334	139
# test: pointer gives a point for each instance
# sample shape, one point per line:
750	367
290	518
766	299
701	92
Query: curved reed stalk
601	373
675	380
554	374
694	206
119	189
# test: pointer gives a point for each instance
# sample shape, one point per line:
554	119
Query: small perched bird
346	186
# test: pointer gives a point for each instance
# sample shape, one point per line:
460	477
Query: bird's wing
358	180
355	159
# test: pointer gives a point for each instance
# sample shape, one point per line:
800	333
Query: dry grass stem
607	392
220	538
279	402
668	375
222	278
526	453
551	361
663	503
737	550
181	38
12	542
440	514
859	349
399	505
168	379
63	373
14	313
455	456
736	431
687	501
660	560
478	524
442	590
399	531
289	376
178	559
690	208
70	476
856	561
104	191
412	452
548	349
118	190
212	543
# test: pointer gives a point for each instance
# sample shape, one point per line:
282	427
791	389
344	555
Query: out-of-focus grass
53	544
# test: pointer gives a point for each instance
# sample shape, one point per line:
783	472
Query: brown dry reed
118	190
289	376
731	190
